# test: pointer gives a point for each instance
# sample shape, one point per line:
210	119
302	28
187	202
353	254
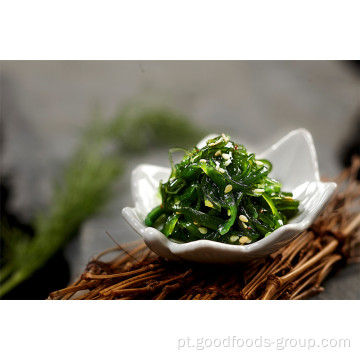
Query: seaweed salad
221	192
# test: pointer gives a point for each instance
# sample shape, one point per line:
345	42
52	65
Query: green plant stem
86	184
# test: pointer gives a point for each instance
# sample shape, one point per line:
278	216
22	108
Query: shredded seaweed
222	193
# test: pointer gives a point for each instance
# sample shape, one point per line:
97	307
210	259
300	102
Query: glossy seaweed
222	193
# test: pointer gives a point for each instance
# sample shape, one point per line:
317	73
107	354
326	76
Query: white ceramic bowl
294	165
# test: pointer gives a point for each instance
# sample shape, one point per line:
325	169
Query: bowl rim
132	217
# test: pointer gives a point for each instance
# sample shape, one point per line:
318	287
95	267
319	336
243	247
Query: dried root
295	272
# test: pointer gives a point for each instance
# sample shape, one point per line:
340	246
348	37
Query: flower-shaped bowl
294	165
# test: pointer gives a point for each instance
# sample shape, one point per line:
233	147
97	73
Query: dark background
45	106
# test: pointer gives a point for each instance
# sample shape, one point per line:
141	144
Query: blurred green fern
87	183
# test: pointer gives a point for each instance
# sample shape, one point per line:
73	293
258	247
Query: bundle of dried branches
295	272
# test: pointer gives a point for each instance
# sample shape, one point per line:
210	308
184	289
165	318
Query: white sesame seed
202	160
203	230
216	142
234	238
229	212
244	225
226	156
218	153
208	203
226	139
228	188
244	239
258	162
221	170
259	191
195	223
243	218
227	162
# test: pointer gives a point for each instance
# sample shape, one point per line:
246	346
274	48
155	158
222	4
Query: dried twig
295	272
